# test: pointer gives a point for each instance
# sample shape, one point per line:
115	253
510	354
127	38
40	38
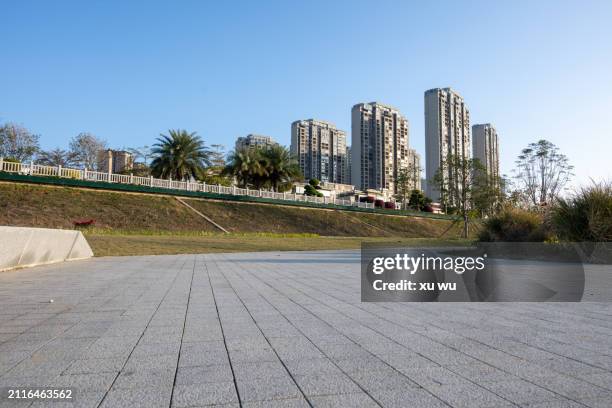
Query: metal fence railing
96	176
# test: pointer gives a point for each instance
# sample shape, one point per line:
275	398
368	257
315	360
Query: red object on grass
84	223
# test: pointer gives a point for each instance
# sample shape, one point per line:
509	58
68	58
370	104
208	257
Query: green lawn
115	244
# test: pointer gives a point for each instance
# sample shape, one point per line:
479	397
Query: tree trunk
465	225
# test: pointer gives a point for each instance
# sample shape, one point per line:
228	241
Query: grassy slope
241	217
57	207
130	224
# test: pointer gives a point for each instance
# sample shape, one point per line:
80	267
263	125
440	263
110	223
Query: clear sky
127	71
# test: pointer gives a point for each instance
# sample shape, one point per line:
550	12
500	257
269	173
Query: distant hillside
59	207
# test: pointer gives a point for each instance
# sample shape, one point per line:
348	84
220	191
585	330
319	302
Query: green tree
180	155
269	167
138	169
406	180
418	200
246	167
312	188
282	168
215	175
17	143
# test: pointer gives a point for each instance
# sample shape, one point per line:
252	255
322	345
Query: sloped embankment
58	207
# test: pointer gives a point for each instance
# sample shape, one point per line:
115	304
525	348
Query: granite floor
284	330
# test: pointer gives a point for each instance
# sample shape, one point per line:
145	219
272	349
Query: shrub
390	205
309	190
515	225
379	203
367	199
586	216
418	200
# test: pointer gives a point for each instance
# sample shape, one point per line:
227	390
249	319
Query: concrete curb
21	247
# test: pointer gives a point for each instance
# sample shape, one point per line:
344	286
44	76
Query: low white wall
20	246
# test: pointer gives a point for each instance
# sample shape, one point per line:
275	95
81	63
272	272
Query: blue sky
127	71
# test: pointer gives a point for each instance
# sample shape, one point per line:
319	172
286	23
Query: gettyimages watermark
487	272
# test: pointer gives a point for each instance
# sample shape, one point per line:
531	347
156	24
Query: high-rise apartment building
347	168
485	147
414	168
320	149
447	132
379	148
254	141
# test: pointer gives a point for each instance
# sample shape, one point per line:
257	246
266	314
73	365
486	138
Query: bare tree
217	155
458	192
489	190
542	172
145	153
56	157
403	187
17	142
86	149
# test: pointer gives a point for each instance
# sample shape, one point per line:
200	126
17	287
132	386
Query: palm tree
180	155
245	165
282	168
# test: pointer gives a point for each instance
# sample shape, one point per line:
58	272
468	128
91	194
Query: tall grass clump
513	224
585	216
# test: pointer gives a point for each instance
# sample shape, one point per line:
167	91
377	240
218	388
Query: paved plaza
285	330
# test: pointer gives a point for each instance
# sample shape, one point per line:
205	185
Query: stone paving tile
326	384
468	396
264	389
145	378
150	397
89	399
554	404
407	398
286	330
84	382
204	394
156	349
574	388
258	370
279	403
520	391
308	366
388	379
96	365
204	374
480	372
358	400
160	362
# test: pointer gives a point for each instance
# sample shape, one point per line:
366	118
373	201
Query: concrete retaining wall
20	247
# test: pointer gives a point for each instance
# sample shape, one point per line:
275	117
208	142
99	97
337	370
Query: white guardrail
96	176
